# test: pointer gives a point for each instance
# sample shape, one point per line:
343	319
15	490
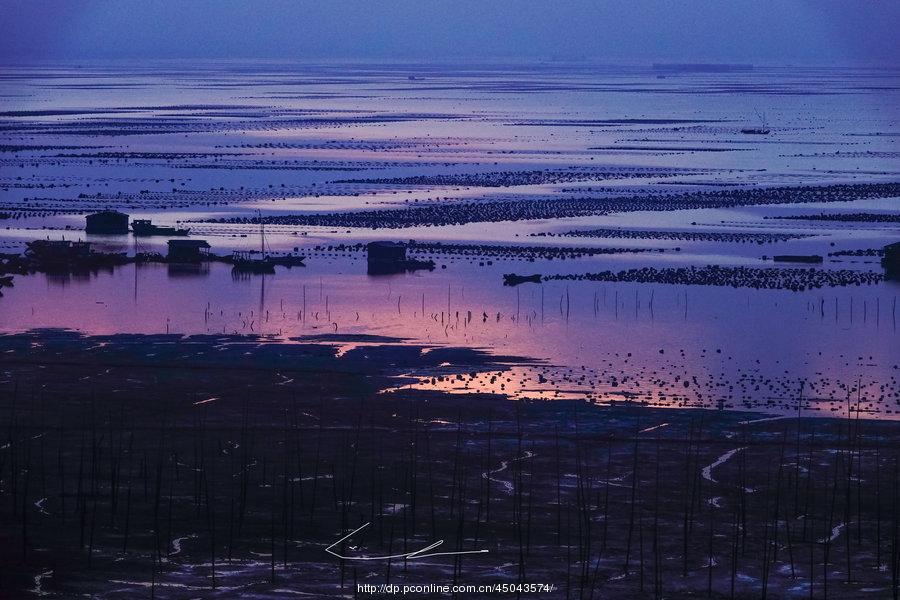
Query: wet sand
141	467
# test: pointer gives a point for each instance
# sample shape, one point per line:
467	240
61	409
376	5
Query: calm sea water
177	142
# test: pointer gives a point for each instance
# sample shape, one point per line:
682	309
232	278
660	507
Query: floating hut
188	250
107	222
58	251
66	254
388	252
390	257
891	260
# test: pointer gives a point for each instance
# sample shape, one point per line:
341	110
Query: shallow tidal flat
638	202
218	465
667	403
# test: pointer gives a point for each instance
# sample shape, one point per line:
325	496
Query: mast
262	235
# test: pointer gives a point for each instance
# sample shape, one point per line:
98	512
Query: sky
626	31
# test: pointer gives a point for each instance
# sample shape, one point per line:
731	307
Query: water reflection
65	276
188	269
658	344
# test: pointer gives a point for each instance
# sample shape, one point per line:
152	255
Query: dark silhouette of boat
511	279
287	260
763	128
247	262
252	261
144	227
798	258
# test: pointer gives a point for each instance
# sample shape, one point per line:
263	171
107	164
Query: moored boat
144	227
246	261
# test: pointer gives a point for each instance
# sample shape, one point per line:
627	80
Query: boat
144	227
798	258
246	261
287	260
511	279
763	129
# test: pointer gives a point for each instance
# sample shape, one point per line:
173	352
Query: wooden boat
245	261
763	128
287	260
144	227
512	279
798	258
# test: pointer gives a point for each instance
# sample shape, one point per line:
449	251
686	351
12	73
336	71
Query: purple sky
633	31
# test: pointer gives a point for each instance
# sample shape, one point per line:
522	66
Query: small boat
763	128
287	260
511	279
246	261
798	258
144	227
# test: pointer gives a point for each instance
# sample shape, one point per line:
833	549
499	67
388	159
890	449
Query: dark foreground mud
223	467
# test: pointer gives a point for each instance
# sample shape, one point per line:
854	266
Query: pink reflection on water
650	344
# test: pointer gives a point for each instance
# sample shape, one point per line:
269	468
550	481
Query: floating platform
798	258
